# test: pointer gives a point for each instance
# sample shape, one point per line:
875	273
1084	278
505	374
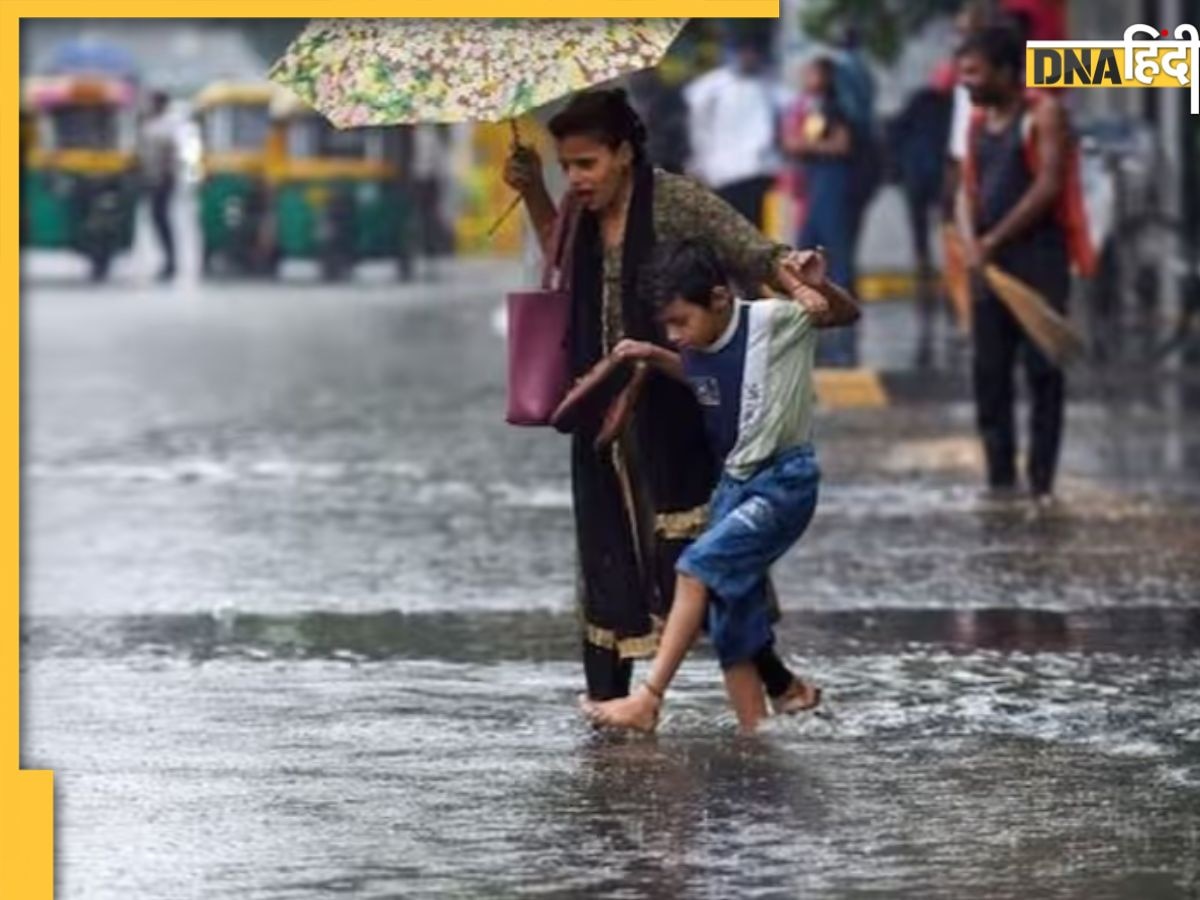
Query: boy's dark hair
688	269
999	45
604	115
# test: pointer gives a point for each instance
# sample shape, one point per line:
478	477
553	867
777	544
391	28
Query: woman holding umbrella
640	501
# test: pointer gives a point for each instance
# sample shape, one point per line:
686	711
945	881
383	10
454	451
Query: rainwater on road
298	623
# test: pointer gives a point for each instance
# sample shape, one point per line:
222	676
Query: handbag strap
558	263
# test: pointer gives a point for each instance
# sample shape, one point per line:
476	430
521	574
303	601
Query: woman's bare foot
800	697
637	712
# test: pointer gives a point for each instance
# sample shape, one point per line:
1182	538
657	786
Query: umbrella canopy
392	71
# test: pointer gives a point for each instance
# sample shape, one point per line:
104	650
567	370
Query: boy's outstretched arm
661	358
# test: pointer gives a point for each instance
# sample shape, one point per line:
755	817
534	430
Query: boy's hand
632	350
643	353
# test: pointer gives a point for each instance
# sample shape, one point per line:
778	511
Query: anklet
653	690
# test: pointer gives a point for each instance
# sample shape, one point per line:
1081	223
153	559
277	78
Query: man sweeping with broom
1020	214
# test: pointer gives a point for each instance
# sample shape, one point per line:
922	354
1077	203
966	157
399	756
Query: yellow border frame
27	797
431	9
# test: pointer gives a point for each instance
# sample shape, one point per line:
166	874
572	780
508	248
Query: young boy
750	365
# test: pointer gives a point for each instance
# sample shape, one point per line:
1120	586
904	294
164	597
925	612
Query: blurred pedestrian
916	138
657	94
970	19
854	86
818	134
159	154
1037	20
1015	213
733	123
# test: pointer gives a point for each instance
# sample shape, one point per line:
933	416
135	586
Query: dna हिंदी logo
1146	57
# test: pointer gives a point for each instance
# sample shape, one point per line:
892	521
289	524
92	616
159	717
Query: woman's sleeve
747	252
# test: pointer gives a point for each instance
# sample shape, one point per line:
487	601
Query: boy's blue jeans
752	523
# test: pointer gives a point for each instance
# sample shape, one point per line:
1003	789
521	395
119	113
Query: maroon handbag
539	368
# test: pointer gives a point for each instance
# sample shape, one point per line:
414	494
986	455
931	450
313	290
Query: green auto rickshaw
335	194
79	168
234	120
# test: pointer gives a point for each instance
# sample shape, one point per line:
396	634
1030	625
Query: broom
1045	326
954	273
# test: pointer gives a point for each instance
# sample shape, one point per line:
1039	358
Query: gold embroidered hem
682	525
640	646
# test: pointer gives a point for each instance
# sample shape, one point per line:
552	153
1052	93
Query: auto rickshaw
79	179
335	194
234	120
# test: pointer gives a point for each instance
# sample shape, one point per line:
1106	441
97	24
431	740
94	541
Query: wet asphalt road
297	623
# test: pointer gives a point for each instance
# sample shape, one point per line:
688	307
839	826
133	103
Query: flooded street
298	623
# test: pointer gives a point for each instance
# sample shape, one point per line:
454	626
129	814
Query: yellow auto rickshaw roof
43	92
234	93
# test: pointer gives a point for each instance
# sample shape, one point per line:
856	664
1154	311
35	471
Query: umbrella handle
516	136
504	216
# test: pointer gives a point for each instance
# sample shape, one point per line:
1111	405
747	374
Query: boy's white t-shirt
755	383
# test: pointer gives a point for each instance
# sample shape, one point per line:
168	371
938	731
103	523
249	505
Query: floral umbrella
392	71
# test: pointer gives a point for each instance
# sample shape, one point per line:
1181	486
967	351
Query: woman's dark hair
604	115
826	64
828	69
688	269
999	45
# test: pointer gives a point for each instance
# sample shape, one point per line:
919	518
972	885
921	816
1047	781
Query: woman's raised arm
523	173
